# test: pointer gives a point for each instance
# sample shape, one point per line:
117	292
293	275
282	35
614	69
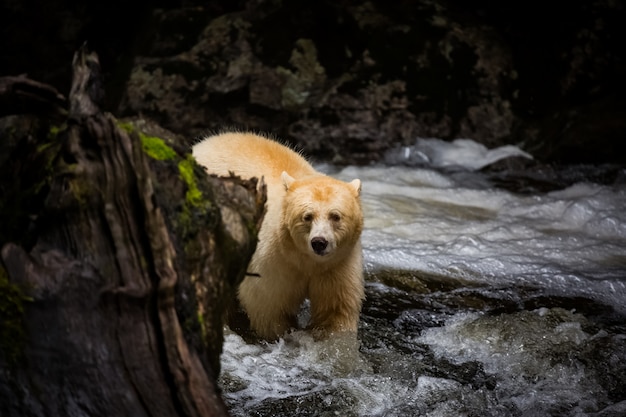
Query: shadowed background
347	80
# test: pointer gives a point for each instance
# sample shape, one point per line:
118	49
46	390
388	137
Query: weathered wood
131	260
20	94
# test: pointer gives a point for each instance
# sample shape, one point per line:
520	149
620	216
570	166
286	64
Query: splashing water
480	302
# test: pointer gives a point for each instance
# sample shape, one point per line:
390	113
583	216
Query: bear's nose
319	245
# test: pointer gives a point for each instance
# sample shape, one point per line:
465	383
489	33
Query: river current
482	300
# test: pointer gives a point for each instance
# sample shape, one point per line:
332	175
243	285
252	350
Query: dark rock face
346	81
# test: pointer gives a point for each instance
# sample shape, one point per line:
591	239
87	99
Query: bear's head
322	215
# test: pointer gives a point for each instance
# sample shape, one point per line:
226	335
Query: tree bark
127	258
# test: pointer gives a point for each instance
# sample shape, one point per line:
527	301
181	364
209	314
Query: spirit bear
309	242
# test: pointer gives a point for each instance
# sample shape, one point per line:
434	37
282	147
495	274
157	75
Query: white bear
309	242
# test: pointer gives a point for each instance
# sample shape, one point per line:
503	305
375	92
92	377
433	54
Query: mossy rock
12	332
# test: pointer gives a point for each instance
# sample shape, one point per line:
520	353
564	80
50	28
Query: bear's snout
319	245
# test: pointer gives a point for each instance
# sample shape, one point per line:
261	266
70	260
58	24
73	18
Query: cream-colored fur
309	242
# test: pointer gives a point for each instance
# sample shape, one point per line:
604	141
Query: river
487	295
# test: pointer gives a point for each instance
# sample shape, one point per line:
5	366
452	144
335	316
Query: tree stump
119	258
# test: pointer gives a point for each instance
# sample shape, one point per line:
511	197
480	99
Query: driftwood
125	255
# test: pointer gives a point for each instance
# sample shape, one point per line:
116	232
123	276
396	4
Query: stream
489	293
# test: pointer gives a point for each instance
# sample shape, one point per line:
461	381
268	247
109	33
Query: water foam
530	352
568	240
293	368
298	376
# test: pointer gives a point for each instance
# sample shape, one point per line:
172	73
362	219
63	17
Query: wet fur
289	269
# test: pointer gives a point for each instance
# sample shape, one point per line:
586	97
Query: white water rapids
481	302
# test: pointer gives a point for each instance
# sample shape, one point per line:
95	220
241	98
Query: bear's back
250	155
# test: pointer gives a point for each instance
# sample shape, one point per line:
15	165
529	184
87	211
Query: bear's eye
308	217
335	217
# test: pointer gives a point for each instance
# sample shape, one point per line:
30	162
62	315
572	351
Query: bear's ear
287	180
356	185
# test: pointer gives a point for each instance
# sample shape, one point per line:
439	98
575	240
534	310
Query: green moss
12	334
44	147
54	132
155	147
127	127
82	191
195	202
193	195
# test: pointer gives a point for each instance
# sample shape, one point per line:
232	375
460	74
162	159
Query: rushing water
480	302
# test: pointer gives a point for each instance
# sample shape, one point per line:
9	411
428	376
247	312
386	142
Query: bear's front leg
336	301
271	326
270	307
